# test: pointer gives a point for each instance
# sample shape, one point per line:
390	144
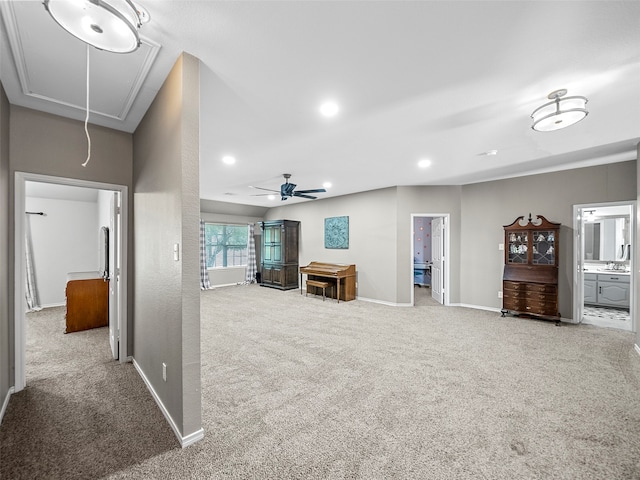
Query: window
226	245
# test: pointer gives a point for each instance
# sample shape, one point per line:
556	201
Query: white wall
104	208
64	240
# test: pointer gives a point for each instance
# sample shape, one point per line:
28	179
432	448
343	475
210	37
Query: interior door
114	276
437	259
578	286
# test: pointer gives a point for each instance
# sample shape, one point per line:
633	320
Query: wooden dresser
87	301
530	280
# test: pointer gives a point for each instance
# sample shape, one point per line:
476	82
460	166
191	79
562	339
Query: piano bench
319	284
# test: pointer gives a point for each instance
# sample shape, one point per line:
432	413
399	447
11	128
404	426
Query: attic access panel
51	64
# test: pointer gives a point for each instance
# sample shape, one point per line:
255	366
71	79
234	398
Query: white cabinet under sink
607	289
591	288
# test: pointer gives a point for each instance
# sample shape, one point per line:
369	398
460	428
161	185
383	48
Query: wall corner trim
5	404
184	441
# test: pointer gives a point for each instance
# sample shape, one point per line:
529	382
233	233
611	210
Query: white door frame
19	264
113	268
578	249
445	254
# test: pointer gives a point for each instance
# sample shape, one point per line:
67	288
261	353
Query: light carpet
294	387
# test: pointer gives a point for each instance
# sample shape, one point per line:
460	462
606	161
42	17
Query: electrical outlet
499	294
501	246
164	371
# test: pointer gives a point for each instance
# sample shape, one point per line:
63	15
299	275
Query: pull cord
86	120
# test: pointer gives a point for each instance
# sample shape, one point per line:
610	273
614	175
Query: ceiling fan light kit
110	25
560	112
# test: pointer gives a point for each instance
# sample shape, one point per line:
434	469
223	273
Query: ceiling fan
288	190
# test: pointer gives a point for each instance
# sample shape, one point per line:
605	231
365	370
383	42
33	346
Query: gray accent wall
166	212
380	233
487	206
380	229
5	345
428	200
373	238
46	144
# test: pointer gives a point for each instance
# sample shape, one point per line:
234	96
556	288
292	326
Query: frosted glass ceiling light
110	25
560	112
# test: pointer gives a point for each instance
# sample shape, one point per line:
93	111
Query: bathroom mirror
607	239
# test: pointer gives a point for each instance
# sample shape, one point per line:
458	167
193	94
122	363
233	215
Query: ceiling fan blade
298	194
315	190
267	189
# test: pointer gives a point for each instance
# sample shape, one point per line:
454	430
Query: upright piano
342	276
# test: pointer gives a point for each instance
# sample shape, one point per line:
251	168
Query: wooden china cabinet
530	280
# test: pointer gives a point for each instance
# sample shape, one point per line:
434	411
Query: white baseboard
383	302
184	441
637	348
50	305
5	404
213	287
476	307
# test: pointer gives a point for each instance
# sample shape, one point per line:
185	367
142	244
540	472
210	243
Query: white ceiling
441	80
60	192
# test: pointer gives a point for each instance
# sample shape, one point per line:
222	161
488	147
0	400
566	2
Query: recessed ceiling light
229	160
488	153
271	197
326	185
424	163
329	109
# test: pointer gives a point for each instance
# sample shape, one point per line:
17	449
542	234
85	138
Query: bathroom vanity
611	289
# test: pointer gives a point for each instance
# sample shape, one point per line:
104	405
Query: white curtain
204	274
31	290
251	258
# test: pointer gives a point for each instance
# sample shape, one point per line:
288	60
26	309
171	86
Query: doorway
430	256
604	272
118	268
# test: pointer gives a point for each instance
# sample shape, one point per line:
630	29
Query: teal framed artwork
336	232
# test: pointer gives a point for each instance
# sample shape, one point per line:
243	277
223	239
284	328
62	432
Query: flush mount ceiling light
560	112
110	25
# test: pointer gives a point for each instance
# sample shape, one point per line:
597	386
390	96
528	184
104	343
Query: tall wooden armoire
279	263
